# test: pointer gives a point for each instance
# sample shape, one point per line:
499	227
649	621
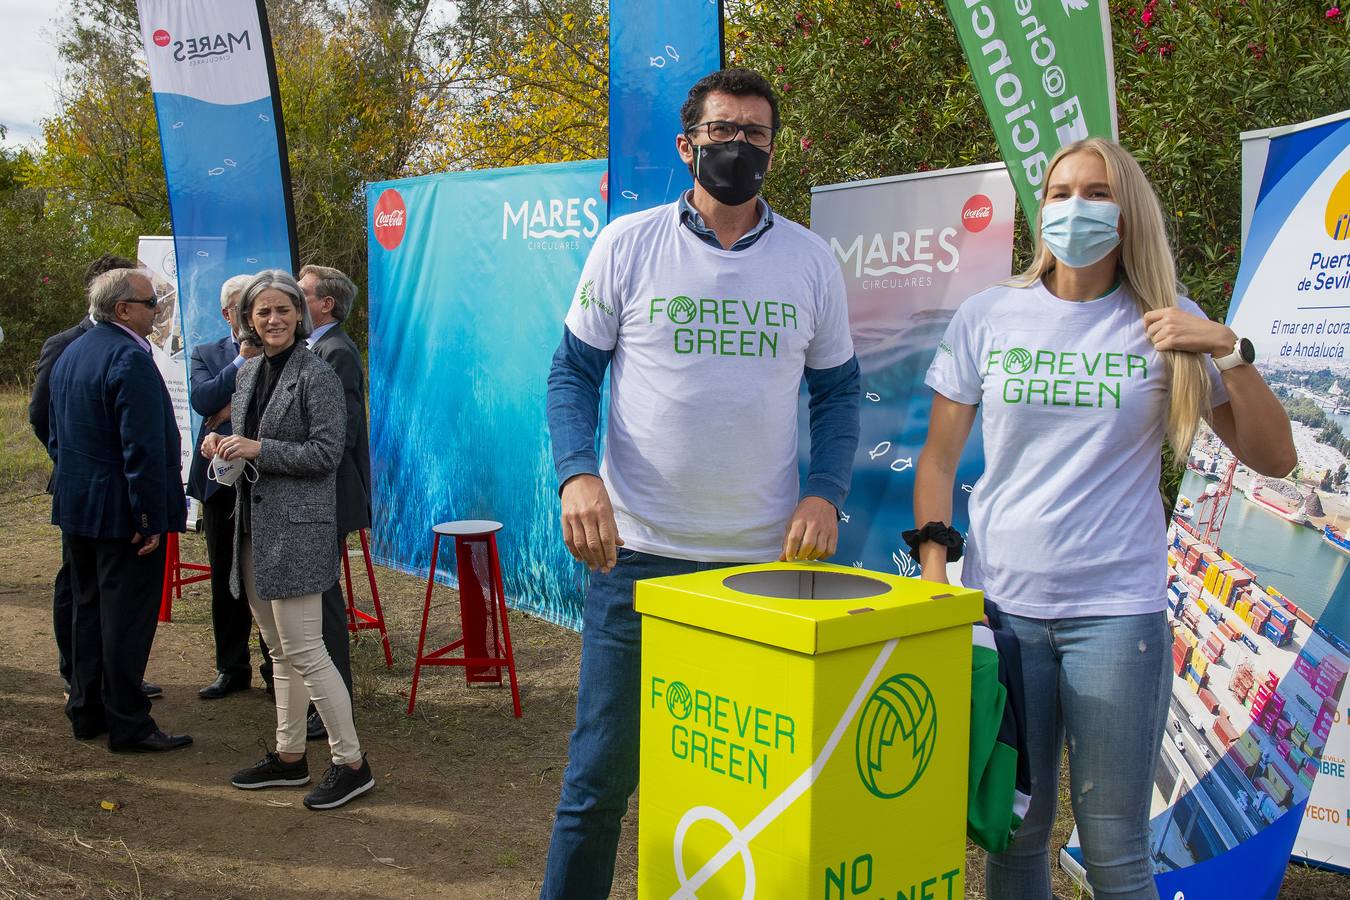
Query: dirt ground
465	792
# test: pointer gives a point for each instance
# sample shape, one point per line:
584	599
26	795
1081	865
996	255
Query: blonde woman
1083	364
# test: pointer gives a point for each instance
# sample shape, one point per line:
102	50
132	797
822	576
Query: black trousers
117	595
63	613
230	616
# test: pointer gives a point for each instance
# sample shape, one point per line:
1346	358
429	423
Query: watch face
1248	351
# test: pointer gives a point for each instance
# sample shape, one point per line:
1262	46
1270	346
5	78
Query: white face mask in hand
225	472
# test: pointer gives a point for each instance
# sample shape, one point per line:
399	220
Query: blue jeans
1103	683
602	764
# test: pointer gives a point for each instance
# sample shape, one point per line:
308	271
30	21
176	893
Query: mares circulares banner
912	249
1258	595
1046	75
471	275
166	340
224	150
656	53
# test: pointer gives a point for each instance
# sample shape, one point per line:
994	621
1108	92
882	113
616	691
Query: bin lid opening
787	584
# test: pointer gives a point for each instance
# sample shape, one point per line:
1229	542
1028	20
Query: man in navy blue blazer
115	493
211	376
38	412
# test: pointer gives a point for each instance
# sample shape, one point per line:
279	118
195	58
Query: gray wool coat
294	516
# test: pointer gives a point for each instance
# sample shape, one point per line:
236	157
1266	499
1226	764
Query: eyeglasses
725	132
152	302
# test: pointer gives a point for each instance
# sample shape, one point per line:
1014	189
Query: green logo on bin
897	731
679	700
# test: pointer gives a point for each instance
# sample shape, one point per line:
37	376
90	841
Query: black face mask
732	172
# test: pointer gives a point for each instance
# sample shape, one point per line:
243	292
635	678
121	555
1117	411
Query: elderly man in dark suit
115	493
39	418
212	374
329	294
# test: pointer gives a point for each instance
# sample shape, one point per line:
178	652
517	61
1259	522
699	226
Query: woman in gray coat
289	421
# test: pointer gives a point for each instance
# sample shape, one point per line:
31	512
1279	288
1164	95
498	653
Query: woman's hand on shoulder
1176	329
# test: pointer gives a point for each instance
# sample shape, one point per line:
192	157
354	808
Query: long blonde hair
1147	269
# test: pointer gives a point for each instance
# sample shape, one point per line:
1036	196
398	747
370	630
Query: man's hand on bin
813	532
588	525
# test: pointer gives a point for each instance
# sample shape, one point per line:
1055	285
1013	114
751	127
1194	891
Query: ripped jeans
1102	684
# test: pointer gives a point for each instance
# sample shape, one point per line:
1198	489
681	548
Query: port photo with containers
1258	680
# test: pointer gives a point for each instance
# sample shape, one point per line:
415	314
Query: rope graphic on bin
739	839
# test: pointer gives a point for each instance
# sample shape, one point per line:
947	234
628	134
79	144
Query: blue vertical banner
656	52
224	148
471	275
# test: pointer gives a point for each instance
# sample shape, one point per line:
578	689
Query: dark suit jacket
292	535
52	348
114	440
337	349
211	377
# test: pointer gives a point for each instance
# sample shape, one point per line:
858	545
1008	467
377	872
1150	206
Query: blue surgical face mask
1080	232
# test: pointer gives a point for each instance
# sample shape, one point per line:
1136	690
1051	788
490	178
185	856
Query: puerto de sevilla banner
471	275
912	248
220	129
166	340
1045	72
656	53
1253	760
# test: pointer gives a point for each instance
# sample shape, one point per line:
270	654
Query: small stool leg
494	566
426	611
351	598
375	595
170	571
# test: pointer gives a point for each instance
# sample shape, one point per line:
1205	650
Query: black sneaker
341	784
270	771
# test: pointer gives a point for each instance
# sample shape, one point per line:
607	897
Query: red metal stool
478	608
358	620
174	579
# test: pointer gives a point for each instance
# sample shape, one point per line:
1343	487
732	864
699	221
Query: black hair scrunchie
938	533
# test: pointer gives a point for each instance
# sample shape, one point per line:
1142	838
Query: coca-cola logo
977	213
391	218
160	37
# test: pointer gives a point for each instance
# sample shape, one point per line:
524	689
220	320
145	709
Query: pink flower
46	280
806	143
1147	17
867	42
1334	13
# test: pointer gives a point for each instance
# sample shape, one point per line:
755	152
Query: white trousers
302	670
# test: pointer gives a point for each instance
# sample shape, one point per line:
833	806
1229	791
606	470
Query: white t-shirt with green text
1067	520
709	347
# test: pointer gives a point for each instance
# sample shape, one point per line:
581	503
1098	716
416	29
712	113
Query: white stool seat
468	527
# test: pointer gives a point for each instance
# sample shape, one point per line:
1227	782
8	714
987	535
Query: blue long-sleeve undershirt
573	410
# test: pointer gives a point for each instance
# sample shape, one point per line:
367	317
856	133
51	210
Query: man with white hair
116	492
211	377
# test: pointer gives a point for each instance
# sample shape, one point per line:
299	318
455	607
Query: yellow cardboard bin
805	733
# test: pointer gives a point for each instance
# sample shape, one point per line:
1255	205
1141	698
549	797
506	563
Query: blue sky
28	66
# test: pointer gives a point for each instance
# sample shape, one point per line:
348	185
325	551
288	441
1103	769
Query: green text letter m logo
897	731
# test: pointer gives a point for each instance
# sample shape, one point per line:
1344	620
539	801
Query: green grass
23	460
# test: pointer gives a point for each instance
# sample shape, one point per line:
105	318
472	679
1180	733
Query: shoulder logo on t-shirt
946	348
587	298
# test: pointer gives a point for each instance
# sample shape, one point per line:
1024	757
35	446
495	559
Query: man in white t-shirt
708	312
